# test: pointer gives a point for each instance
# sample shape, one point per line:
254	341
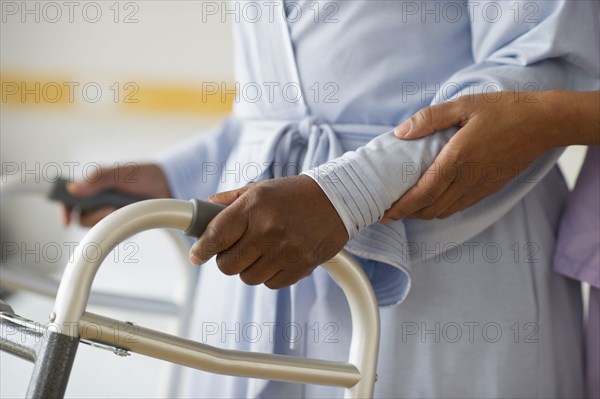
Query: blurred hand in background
145	180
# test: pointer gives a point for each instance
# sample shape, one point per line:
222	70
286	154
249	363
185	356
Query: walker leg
53	366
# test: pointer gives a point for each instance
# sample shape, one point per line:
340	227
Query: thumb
429	120
228	197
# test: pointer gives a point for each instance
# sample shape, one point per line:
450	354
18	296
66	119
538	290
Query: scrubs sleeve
577	252
549	45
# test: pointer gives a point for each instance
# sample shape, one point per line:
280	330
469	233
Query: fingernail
195	260
403	129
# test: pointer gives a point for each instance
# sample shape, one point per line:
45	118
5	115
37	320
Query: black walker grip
204	212
107	198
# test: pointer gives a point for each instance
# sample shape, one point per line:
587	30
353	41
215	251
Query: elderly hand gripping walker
53	347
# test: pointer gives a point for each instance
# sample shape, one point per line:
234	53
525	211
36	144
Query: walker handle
107	198
204	212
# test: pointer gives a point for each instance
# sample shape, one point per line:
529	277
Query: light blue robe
485	317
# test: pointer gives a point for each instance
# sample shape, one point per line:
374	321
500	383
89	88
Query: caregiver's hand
500	135
146	180
273	232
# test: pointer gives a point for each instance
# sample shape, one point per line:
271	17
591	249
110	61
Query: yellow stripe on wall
125	96
164	98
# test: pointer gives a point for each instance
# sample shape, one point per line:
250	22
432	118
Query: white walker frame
54	356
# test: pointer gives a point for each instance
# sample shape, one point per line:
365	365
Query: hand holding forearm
500	135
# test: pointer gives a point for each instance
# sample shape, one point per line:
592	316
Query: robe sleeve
193	166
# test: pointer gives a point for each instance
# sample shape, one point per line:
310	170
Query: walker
52	348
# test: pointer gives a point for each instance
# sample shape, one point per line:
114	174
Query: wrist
328	208
557	117
328	192
572	118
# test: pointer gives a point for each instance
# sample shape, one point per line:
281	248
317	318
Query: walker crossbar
70	322
215	360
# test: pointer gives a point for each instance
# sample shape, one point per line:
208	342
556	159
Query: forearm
364	183
572	117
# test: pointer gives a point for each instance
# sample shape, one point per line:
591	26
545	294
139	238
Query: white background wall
169	44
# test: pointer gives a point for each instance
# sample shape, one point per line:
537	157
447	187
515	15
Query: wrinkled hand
274	232
145	180
500	135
